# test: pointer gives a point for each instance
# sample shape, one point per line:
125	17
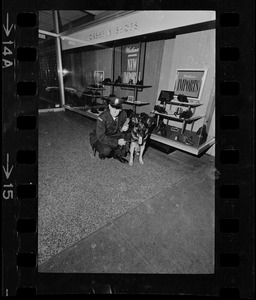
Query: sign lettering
130	63
185	85
189	83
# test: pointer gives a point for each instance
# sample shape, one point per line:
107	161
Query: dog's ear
143	115
149	121
134	121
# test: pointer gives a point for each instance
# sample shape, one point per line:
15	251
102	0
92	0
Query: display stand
191	107
135	87
182	146
81	111
94	111
174	118
180	138
135	104
93	96
86	110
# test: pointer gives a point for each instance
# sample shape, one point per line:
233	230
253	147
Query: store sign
118	30
134	24
189	83
130	63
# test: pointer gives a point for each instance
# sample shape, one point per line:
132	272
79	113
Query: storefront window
49	94
84	72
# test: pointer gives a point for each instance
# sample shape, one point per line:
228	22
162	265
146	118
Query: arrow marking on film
7	29
7	172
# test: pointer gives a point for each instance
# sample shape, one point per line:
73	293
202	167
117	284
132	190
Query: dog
141	126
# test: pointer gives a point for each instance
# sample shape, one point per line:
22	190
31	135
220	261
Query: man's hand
126	125
121	142
125	128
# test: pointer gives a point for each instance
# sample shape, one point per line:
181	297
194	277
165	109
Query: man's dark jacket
108	131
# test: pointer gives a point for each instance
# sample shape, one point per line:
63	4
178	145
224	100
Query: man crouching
111	136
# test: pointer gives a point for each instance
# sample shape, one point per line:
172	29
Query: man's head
115	106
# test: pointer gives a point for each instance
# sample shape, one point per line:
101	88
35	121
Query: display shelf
188	104
135	87
82	111
174	118
134	103
127	85
128	101
191	106
50	88
95	88
93	96
184	121
182	146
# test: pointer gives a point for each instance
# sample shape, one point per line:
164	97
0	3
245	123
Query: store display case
172	126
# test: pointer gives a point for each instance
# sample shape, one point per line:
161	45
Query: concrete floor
171	232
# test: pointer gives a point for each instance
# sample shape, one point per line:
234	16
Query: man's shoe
101	156
120	158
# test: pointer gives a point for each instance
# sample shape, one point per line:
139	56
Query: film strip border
234	208
234	218
19	156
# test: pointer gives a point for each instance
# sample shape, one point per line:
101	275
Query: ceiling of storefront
69	19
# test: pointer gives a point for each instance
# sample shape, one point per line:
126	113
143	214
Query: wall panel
153	61
166	65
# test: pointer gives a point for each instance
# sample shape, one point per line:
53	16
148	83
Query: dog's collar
134	137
